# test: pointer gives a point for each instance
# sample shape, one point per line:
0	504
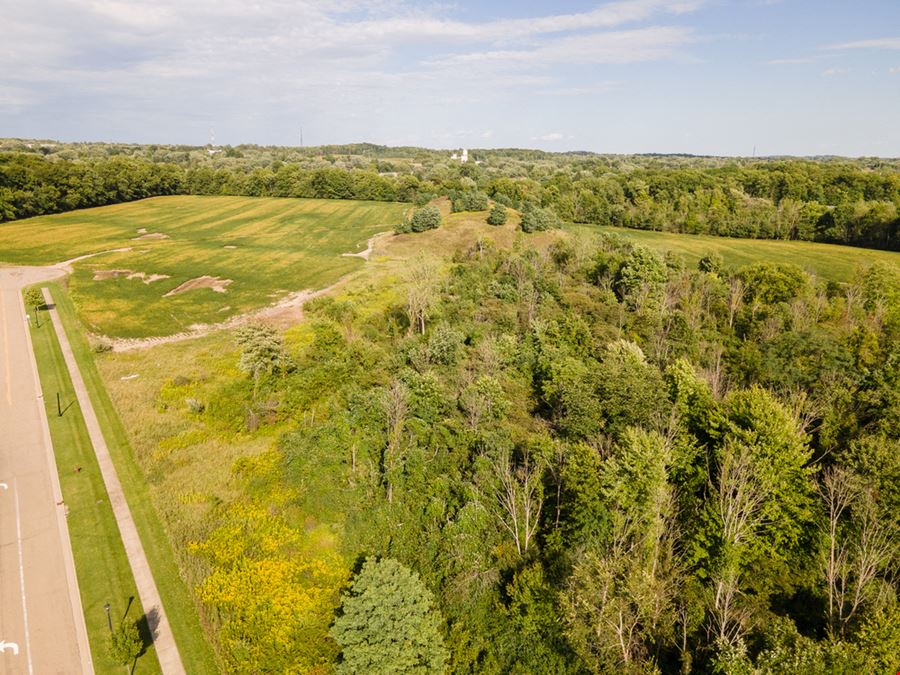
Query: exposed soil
103	275
147	278
369	248
214	283
152	235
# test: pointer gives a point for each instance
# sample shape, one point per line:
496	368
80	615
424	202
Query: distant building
462	157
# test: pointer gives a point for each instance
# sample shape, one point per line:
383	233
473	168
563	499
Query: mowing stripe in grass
100	562
196	653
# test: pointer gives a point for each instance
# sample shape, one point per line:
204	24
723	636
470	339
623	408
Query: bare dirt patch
214	283
147	278
229	247
152	235
104	275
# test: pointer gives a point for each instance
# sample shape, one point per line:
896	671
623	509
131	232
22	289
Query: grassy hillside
265	247
828	261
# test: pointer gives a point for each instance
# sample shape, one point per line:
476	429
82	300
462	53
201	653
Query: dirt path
286	311
42	626
163	639
369	248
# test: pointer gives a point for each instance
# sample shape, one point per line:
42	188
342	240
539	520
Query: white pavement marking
4	645
22	579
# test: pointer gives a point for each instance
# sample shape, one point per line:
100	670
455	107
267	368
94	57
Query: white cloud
894	71
831	72
878	43
267	61
553	136
642	44
488	134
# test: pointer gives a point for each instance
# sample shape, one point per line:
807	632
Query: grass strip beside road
196	653
100	562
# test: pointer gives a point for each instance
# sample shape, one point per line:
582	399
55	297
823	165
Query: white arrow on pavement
4	645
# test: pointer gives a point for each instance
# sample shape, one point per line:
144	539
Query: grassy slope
281	245
101	565
177	598
829	261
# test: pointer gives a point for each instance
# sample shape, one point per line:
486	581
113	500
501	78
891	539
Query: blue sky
798	77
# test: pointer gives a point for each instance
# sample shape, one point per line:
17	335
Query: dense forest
579	458
827	200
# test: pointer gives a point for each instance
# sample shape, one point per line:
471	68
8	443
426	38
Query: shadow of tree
147	628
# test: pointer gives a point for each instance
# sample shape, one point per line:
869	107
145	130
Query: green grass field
828	261
275	246
93	539
101	565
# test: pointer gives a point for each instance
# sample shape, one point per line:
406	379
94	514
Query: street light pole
108	620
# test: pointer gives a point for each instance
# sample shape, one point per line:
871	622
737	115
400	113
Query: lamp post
108	620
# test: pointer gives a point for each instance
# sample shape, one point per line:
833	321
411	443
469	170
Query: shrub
497	216
711	263
125	644
101	347
426	218
537	219
469	201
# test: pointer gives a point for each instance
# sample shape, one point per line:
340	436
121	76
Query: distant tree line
845	202
32	186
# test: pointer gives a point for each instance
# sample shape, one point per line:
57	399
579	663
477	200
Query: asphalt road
41	620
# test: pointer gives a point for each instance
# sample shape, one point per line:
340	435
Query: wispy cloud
643	44
831	72
552	137
878	43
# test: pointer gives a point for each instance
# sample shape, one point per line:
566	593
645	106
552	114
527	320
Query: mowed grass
148	507
101	565
827	261
275	246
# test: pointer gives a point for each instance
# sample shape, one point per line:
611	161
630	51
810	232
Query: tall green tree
388	623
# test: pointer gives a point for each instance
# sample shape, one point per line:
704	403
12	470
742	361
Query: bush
426	218
497	216
469	201
537	219
125	644
711	263
403	227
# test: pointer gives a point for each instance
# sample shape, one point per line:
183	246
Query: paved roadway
42	627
